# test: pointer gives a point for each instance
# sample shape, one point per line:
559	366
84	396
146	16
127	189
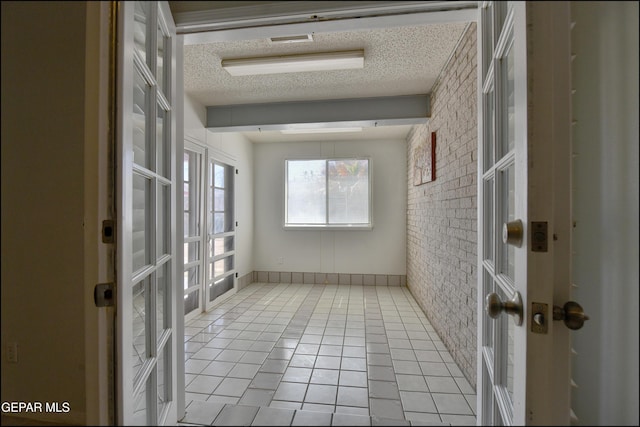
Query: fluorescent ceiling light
295	63
304	38
320	130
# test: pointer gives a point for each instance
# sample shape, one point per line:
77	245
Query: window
329	193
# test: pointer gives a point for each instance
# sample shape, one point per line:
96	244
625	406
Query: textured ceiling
398	61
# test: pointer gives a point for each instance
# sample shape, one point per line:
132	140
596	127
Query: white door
146	205
221	234
194	228
524	213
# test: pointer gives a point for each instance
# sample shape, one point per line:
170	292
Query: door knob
494	306
512	233
572	314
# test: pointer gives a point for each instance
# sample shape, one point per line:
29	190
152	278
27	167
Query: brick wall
441	218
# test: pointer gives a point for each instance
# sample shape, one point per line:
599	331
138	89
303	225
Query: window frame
327	225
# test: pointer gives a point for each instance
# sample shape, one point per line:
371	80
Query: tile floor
293	354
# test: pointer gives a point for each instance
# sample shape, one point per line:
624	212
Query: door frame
378	22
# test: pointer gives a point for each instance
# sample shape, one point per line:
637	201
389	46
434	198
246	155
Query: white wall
378	251
605	204
235	148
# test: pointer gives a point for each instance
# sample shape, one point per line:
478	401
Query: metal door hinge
108	231
104	294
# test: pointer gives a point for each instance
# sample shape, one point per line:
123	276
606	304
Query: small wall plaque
424	169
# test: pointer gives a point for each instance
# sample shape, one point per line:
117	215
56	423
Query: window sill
344	227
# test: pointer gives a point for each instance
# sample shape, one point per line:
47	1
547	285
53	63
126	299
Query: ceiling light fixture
320	130
304	38
295	63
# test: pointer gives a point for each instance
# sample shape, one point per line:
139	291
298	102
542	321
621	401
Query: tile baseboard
322	278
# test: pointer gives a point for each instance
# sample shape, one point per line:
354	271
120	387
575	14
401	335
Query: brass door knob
494	306
572	314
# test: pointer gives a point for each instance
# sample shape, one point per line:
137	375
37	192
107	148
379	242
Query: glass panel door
497	168
220	274
146	232
524	159
193	160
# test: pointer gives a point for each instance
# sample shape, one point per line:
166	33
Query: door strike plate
104	295
108	231
539	236
539	318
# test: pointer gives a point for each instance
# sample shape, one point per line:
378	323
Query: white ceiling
398	61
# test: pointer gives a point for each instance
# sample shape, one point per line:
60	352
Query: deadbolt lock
512	233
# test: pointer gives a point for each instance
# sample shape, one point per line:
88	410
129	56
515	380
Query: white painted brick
441	215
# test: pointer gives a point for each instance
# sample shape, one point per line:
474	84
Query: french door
146	206
524	230
209	228
221	226
194	228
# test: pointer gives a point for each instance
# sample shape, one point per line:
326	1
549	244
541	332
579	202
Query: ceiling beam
360	112
234	24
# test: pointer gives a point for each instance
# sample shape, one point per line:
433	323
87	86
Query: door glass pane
219	176
140	407
489	326
163	168
490	234
221	266
487	393
220	246
191	277
140	292
162	299
218	223
191	190
141	208
508	117
163	377
163	221
187	202
191	301
506	352
220	287
487	14
140	28
489	147
508	214
348	191
510	357
139	120
160	74
191	252
218	268
186	224
218	199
